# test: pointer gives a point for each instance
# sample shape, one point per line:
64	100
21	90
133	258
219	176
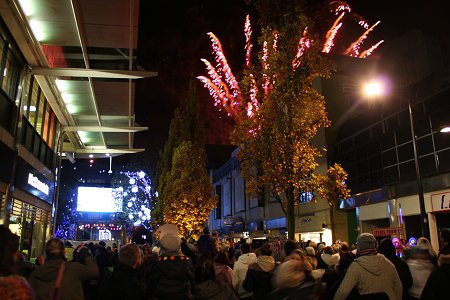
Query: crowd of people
210	268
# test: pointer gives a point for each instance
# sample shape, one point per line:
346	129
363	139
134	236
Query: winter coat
214	290
240	271
223	274
306	290
171	277
124	284
420	271
436	287
371	274
43	278
259	277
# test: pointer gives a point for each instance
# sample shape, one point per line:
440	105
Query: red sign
387	231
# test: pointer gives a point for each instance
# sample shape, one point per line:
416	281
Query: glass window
30	109
46	122
10	75
25	91
51	133
40	112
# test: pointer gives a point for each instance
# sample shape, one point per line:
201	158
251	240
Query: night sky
172	39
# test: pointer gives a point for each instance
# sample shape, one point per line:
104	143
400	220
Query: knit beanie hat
366	241
169	240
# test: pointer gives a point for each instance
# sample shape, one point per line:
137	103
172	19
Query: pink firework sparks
265	68
331	34
370	50
248	44
353	50
343	7
303	44
222	65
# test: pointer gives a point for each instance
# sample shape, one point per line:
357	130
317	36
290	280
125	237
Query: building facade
260	218
67	91
373	140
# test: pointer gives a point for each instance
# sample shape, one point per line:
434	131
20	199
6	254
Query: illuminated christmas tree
137	196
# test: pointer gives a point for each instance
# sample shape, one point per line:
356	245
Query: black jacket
171	277
258	282
124	283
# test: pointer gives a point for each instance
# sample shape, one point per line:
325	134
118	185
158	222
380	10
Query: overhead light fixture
110	165
91	155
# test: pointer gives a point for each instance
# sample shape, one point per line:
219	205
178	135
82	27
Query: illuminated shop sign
37	184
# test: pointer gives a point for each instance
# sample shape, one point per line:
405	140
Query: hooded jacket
213	290
371	274
240	271
259	277
43	278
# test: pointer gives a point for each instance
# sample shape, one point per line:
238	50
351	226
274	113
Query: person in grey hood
259	275
372	273
43	278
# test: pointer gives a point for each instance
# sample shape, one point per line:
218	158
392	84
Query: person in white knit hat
171	277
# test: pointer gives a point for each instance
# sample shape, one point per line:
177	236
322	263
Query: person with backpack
59	277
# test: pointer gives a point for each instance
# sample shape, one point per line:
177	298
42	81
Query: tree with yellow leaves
276	108
184	188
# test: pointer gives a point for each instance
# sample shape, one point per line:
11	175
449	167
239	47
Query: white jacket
240	271
420	271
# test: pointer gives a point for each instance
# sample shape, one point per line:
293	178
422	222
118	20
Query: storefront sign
33	182
309	224
36	183
387	231
440	202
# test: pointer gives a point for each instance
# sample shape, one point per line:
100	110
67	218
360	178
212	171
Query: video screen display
99	199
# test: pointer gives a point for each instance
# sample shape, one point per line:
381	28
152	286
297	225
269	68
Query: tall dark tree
184	188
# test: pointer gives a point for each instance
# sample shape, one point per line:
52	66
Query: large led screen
99	199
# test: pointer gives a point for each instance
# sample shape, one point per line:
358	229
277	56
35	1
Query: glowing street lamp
445	129
373	89
377	88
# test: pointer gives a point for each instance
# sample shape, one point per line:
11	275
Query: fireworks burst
223	86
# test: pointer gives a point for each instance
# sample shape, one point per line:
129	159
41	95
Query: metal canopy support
108	150
93	73
104	129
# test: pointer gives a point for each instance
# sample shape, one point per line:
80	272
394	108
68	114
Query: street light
374	89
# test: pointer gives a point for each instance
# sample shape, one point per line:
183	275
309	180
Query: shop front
313	228
30	216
